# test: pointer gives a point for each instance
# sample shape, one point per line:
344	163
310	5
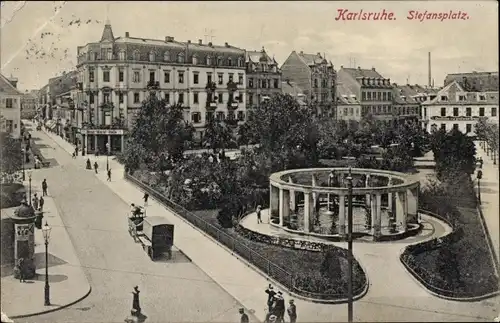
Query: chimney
319	54
189	41
359	67
341	66
389	81
127	34
301	53
373	69
200	42
226	44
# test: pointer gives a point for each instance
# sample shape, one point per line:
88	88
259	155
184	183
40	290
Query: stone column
273	201
109	142
95	142
315	196
284	206
412	197
373	211
122	143
84	144
378	216
341	215
292	195
308	210
401	209
389	196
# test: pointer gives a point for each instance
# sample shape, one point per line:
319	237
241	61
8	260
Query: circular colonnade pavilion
315	202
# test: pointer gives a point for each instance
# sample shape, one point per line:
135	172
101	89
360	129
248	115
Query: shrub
12	195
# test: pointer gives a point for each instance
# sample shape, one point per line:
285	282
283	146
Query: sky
38	40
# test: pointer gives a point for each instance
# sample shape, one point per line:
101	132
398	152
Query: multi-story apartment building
475	81
29	104
10	107
114	74
315	76
373	91
454	107
348	104
263	77
290	88
404	107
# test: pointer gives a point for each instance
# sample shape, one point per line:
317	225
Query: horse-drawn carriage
154	233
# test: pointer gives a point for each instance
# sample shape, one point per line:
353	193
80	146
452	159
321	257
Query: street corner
68	285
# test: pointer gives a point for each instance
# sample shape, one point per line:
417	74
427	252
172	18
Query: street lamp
349	248
29	189
46	236
479	176
107	156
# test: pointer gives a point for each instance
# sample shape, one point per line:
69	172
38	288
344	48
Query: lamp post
349	248
46	236
479	176
29	187
107	156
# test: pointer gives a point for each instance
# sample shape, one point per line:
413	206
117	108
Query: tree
218	135
11	154
161	131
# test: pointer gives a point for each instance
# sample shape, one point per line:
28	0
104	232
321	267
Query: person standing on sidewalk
41	202
109	175
280	307
96	166
34	202
270	297
244	316
136	307
145	198
21	270
44	187
292	311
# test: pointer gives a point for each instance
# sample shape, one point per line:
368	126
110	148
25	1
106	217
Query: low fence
271	269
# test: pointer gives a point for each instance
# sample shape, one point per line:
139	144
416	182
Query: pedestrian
136	307
34	202
244	316
41	202
280	307
21	270
44	187
145	198
292	311
96	166
109	175
270	296
73	155
259	219
89	165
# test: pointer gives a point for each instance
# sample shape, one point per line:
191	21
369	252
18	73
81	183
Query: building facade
263	77
374	91
315	76
10	107
114	75
29	104
348	104
475	81
405	108
455	108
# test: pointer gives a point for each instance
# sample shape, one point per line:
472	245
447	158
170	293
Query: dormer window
461	98
195	59
219	61
152	56
180	58
166	56
240	62
229	62
482	97
91	56
137	55
209	60
121	55
444	98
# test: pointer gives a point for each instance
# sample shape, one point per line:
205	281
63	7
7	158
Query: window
240	98
219	61
468	128
461	98
262	84
136	97
230	115
455	126
196	117
221	97
137	77
120	76
220	78
209	77
166	76
229	62
196	78
481	112
443	112
181	77
369	96
137	55
166	56
109	54
180	58
468	112
240	62
384	96
9	125
363	96
181	98
152	56
493	112
120	97
91	98
276	83
482	98
209	60
250	98
121	55
195	97
443	126
455	112
230	77
91	75
389	96
167	97
240	78
315	82
220	115
91	55
250	82
195	59
444	98
8	103
151	76
209	116
105	97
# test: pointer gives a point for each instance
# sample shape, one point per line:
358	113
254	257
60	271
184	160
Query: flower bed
296	269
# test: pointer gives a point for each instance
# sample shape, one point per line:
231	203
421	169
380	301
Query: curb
54	309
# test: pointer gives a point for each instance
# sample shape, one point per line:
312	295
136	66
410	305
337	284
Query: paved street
400	304
95	218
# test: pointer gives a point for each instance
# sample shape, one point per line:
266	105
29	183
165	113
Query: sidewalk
247	286
68	283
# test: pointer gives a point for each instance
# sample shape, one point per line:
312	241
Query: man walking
109	175
136	307
41	202
280	307
244	316
270	296
44	187
292	311
96	166
21	270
